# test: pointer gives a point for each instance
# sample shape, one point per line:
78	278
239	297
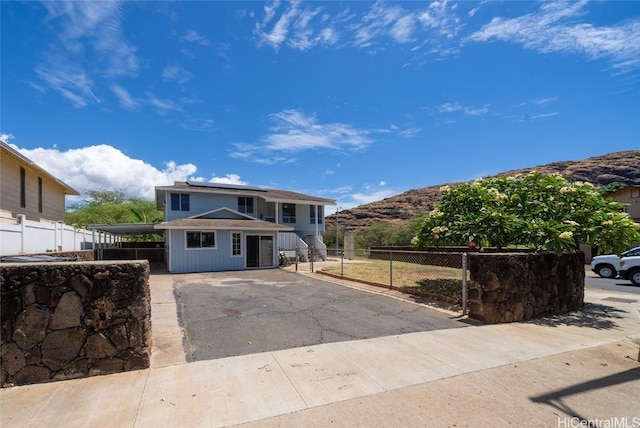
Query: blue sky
354	101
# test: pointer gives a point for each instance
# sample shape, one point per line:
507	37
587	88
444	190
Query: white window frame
186	240
231	235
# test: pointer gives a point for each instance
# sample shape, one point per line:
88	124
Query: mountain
623	167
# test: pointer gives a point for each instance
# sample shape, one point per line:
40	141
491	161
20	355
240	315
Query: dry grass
432	279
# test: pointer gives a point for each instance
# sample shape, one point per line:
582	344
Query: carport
132	245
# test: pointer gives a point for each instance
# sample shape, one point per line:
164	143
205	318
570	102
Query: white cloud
88	44
403	29
229	179
382	183
176	73
6	137
365	198
449	107
124	98
105	167
162	106
527	117
69	80
540	101
293	131
556	27
477	111
301	26
192	36
409	132
457	107
293	28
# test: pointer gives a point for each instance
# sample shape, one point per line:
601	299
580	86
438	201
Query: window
201	239
270	212
288	213
635	193
23	188
245	205
39	194
179	202
312	214
236	243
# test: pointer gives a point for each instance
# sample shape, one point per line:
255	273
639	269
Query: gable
223	214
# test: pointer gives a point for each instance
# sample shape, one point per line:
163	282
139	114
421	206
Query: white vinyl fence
22	236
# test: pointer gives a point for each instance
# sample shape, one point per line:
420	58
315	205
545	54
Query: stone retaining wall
517	287
81	255
70	320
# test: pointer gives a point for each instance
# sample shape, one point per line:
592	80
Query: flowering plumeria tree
538	211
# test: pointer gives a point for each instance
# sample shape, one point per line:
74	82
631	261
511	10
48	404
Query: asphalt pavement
592	280
226	314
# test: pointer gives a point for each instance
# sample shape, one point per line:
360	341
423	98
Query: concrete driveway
225	314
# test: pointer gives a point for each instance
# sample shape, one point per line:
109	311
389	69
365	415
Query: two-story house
216	227
26	188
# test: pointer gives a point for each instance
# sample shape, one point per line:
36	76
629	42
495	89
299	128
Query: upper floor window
245	205
288	213
312	214
179	202
23	188
635	193
201	239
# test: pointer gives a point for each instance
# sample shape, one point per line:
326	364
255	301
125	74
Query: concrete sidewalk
525	374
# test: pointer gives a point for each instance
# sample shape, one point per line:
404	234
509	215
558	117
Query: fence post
464	283
23	230
342	265
390	269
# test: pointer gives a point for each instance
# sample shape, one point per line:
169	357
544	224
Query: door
253	251
266	251
259	251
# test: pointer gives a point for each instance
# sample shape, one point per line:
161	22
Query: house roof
221	224
68	190
269	195
621	190
125	228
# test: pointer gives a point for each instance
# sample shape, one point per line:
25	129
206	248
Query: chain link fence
440	275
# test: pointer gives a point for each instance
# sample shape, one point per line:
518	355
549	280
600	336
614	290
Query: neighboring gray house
216	227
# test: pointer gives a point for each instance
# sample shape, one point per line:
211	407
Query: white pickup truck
608	266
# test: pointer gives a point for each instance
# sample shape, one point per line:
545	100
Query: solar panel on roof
224	186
